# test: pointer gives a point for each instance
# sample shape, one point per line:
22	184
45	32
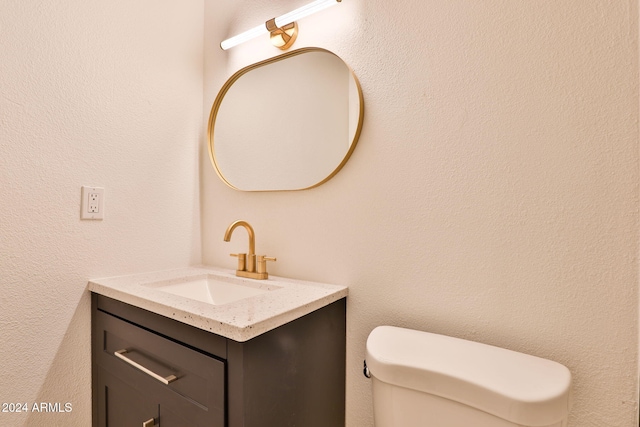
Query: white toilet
420	379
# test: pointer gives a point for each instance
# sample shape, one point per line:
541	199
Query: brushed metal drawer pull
164	380
150	423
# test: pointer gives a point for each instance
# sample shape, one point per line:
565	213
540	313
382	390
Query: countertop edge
238	332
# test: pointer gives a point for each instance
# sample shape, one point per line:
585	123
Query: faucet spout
252	236
247	262
252	241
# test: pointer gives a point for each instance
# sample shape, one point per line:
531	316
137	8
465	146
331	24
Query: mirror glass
287	123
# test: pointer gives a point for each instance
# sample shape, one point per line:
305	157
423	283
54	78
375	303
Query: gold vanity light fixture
283	30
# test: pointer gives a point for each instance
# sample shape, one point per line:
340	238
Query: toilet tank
420	379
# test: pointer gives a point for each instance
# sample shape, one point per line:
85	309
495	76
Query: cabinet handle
150	423
164	380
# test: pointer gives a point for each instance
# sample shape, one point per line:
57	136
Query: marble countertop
239	320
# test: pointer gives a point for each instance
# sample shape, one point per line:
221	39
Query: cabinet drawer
181	379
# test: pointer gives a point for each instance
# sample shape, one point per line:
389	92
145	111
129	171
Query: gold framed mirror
287	123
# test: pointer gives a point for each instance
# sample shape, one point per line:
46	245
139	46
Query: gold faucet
247	262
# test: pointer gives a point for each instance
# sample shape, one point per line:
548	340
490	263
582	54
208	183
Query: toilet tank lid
517	387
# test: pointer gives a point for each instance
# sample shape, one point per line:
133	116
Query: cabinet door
171	418
121	405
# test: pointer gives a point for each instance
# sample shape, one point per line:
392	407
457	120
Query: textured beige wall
494	191
91	93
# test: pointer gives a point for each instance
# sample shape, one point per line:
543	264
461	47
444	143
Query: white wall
493	194
91	93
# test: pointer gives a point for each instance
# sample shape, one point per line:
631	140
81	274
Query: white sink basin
213	289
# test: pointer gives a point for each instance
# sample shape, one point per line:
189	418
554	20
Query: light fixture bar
244	37
280	21
304	11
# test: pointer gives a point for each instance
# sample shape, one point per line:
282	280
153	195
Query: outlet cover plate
92	206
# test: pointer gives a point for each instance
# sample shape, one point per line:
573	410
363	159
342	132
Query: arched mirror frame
225	88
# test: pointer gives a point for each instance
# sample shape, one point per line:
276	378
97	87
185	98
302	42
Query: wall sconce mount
283	30
282	37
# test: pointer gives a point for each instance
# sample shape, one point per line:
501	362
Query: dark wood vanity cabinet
176	375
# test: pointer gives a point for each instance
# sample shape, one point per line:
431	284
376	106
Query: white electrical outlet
92	206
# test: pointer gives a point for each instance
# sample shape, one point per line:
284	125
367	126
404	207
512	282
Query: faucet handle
242	261
262	263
